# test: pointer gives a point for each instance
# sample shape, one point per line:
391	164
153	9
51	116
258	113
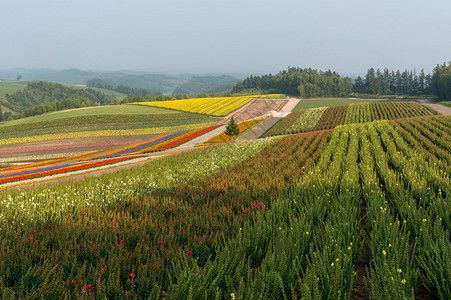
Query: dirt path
272	118
257	108
444	110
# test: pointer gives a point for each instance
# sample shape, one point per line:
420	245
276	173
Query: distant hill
206	84
162	83
41	92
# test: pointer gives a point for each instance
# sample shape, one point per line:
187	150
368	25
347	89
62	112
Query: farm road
272	118
444	110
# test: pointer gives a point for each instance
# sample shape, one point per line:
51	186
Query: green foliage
130	91
57	105
391	83
206	84
42	92
232	128
448	104
441	82
300	82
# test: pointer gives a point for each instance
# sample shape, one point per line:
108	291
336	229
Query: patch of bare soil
255	109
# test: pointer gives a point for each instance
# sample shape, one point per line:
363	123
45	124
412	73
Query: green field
91	111
118	95
445	103
321	102
9	87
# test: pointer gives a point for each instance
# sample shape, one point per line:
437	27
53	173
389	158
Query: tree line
62	104
441	81
129	91
388	82
299	82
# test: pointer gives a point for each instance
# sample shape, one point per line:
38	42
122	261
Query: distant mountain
206	84
162	83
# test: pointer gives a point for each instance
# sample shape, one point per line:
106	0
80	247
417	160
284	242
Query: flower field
51	170
177	141
328	118
325	214
102	122
102	133
332	117
223	138
216	106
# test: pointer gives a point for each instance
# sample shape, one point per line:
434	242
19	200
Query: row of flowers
178	140
103	133
49	162
330	117
39	157
135	147
102	119
16	150
65	168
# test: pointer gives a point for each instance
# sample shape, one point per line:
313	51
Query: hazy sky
242	36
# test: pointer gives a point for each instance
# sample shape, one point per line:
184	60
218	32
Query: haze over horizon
203	36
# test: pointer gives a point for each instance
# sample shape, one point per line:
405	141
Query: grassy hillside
9	87
119	96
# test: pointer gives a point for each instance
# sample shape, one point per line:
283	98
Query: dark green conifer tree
232	128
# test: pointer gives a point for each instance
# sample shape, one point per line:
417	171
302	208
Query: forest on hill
299	82
308	83
206	84
388	82
441	82
131	83
41	97
129	91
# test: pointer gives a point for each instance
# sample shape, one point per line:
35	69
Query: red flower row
186	138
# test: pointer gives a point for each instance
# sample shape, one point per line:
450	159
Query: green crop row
330	117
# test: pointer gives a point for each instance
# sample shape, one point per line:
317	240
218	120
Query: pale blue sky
242	36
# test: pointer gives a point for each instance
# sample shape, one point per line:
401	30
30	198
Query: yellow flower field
216	106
